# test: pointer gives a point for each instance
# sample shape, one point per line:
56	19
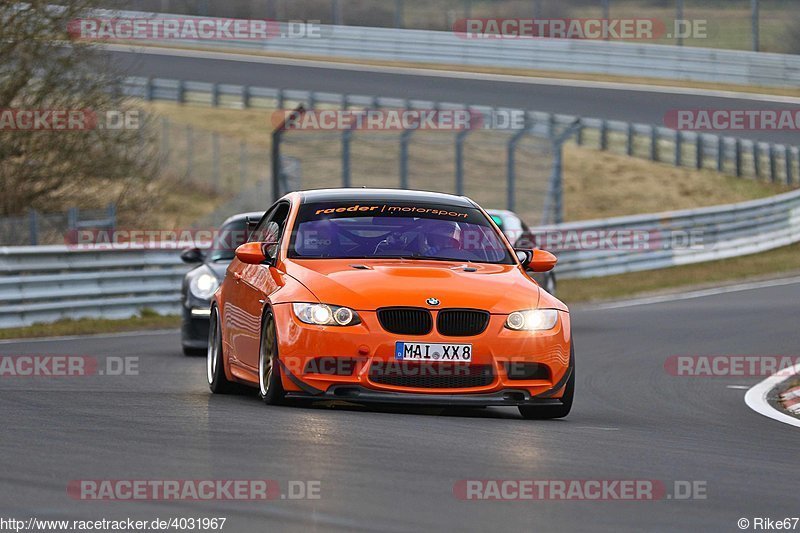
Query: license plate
418	351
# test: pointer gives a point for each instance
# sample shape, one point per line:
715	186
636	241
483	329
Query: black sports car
200	283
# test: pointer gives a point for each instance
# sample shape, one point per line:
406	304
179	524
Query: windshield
229	237
352	230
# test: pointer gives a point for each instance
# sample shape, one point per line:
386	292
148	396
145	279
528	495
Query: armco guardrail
560	55
43	284
47	283
731	155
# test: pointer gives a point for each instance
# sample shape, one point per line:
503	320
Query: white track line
436	73
756	398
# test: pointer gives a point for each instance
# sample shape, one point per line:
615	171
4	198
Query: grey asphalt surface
394	469
627	105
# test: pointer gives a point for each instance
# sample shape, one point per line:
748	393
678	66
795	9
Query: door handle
237	277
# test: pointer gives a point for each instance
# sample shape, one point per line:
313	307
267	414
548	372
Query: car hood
370	284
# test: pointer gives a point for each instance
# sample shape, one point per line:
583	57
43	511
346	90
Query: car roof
384	195
253	215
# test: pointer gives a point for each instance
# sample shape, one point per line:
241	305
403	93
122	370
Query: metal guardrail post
773	167
511	171
755	25
33	227
629	140
461	136
720	153
181	92
148	90
279	103
699	149
604	135
738	157
405	137
215	94
346	137
245	96
277	138
653	143
678	148
756	160
111	213
579	134
787	156
398	14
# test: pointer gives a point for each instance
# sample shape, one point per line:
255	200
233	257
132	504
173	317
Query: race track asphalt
395	469
641	106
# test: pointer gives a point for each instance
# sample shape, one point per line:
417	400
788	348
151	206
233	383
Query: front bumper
194	330
358	394
367	344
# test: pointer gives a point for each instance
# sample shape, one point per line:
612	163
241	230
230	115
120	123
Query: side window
271	226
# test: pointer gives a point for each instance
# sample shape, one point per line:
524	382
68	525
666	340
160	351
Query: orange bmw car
390	296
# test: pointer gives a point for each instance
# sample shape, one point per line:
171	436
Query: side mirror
537	260
257	253
192	255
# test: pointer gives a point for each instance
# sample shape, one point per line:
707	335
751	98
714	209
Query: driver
440	237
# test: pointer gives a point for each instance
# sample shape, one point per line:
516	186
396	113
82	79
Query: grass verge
90	326
769	264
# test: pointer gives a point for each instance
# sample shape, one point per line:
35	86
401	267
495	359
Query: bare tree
43	69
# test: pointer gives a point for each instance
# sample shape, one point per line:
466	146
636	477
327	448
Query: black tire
547	412
194	352
215	371
270	387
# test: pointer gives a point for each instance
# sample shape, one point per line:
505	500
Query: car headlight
203	286
325	315
532	320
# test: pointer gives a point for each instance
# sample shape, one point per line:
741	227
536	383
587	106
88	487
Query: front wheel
215	368
269	372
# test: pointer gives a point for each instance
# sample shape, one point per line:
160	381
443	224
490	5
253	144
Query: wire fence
479	158
474	164
35	228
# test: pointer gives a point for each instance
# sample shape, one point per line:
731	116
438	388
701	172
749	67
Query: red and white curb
791	400
757	397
